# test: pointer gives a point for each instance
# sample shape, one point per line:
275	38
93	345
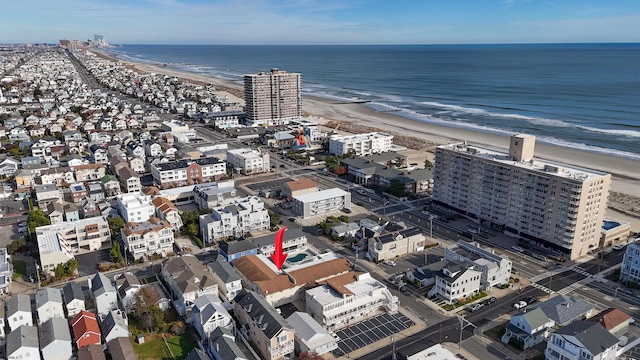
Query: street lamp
431	226
615	294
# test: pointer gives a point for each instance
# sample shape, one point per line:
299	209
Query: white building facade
241	217
558	206
144	239
341	303
249	161
321	202
630	270
361	144
135	207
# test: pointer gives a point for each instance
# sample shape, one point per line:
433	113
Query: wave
581	146
476	111
627	133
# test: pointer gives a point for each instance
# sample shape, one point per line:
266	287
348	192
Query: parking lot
88	263
268	185
369	331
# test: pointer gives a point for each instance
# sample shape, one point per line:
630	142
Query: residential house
582	340
77	192
128	286
229	283
55	213
120	348
215	194
249	161
495	269
166	210
455	281
47	193
231	251
564	310
530	327
49	304
111	186
73	298
345	230
85	329
104	293
22	343
615	321
237	219
146	238
99	154
310	337
425	275
55	339
222	345
19	311
89	172
186	172
137	164
114	324
209	314
347	299
71	212
91	352
294	240
95	191
8	167
129	180
187	279
135	207
269	333
395	244
6	271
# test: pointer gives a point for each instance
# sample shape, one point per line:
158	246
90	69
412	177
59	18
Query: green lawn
154	348
19	269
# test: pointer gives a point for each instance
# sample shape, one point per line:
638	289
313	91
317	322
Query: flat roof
321	195
545	167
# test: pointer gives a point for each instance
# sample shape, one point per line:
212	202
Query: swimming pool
297	258
608	225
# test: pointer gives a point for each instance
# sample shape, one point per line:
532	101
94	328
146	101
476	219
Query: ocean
584	96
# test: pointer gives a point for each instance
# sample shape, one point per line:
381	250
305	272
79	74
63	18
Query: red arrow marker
278	256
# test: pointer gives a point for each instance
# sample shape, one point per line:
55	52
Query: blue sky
322	21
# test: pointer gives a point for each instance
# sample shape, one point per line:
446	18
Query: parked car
520	305
539	257
424	212
490	301
346	211
618	247
626	291
517	248
472	231
292	219
475	307
390	263
531	300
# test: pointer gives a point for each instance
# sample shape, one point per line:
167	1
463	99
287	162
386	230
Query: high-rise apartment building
272	98
556	205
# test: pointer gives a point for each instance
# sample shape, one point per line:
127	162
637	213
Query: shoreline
625	177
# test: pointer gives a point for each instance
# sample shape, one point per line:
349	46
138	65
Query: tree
148	315
115	253
274	219
37	93
115	225
427	164
190	217
35	219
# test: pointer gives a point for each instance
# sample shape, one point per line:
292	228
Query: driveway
88	262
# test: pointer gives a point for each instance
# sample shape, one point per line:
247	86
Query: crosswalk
565	291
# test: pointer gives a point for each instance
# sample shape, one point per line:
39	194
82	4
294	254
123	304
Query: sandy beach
626	172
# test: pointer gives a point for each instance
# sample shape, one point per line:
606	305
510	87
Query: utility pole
463	324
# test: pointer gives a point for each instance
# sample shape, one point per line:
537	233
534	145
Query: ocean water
585	96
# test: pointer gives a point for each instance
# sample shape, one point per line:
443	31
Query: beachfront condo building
361	144
272	98
555	205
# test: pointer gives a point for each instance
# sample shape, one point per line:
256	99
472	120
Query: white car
520	305
390	263
517	248
472	231
618	247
